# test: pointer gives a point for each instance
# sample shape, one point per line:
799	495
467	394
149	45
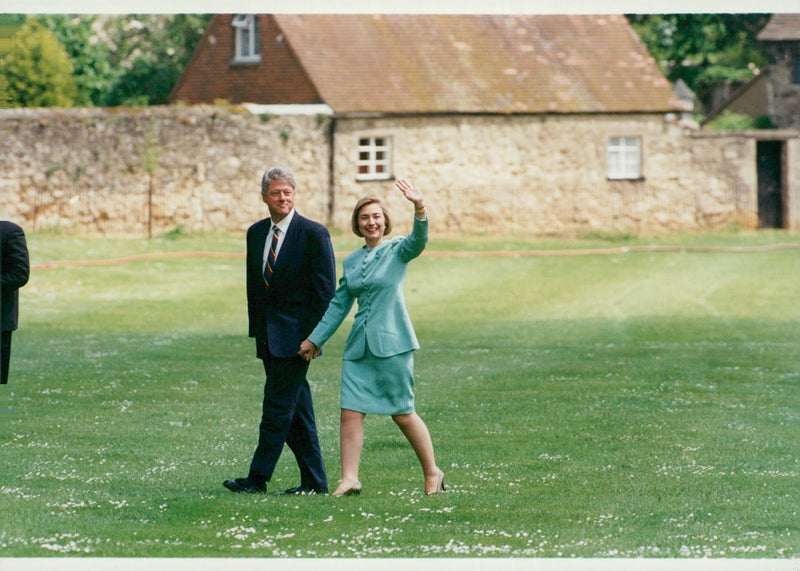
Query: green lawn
640	404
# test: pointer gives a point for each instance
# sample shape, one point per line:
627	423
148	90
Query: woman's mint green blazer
375	278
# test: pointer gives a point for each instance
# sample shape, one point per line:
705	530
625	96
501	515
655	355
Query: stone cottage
542	123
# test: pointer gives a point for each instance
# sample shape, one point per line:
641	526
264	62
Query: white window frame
625	158
374	158
246	44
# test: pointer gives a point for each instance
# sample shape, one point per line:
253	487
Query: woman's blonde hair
361	204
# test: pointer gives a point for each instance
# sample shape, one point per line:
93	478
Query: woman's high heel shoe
353	490
439	485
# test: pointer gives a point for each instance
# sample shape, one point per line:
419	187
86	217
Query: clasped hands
308	350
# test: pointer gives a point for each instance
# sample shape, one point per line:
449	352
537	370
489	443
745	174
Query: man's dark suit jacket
304	282
15	270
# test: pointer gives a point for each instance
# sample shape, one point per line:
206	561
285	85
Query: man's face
279	198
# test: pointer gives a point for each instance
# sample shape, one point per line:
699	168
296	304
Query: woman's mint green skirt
376	385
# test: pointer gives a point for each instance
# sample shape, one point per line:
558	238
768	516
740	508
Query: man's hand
308	350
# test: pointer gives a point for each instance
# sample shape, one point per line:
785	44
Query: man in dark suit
291	278
15	270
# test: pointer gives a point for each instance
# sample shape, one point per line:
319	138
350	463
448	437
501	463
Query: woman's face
371	223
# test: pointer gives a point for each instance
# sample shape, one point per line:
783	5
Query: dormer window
247	46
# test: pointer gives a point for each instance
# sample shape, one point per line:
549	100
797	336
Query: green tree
124	59
91	57
5	98
152	51
37	71
148	81
703	49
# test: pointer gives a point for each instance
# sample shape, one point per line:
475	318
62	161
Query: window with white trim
625	158
247	46
374	158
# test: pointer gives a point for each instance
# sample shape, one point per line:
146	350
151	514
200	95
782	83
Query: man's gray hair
277	173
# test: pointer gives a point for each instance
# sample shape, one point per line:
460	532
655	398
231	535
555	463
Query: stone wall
792	203
140	171
134	171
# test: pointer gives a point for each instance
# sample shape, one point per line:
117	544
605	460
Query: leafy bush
729	121
37	71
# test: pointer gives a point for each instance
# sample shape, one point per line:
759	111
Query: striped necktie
269	268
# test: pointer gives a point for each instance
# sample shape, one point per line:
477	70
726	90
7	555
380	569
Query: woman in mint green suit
378	365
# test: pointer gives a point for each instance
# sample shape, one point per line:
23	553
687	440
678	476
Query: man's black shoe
302	490
244	485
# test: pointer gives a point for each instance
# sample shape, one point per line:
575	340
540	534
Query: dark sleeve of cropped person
14	273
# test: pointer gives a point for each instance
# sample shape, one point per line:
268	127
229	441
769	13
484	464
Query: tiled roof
781	27
477	63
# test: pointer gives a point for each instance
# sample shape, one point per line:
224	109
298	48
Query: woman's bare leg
417	434
352	442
